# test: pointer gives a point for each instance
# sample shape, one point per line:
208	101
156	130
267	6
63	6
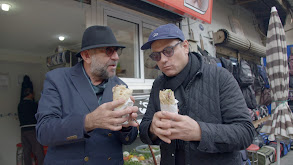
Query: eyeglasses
167	51
110	50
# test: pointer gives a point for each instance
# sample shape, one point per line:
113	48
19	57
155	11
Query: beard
99	70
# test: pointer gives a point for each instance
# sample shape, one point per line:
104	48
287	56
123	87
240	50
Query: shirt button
109	158
86	159
109	134
172	155
127	138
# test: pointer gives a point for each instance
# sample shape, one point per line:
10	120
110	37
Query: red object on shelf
252	150
19	145
253	147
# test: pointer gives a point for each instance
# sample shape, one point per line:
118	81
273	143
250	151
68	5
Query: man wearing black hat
212	124
75	115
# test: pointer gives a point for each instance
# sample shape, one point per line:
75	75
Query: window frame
141	21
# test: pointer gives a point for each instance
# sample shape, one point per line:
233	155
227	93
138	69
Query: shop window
151	70
134	67
126	34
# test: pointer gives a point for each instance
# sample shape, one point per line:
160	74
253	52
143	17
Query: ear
186	46
86	56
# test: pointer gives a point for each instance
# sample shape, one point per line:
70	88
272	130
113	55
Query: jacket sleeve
128	137
145	124
236	131
53	128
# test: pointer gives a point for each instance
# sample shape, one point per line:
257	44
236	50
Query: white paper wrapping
128	103
170	108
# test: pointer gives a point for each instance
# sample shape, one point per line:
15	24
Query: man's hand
169	126
160	127
132	117
106	118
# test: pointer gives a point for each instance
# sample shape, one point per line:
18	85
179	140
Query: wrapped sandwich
168	101
120	91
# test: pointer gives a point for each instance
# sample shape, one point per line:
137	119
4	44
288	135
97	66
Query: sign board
195	9
141	101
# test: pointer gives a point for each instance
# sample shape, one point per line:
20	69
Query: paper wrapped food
168	101
120	91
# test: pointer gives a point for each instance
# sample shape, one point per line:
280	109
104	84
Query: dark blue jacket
66	98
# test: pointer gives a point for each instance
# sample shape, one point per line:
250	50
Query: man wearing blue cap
212	124
75	115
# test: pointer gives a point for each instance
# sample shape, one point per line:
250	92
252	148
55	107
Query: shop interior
30	33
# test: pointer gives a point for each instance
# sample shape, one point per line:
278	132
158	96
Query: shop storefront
131	21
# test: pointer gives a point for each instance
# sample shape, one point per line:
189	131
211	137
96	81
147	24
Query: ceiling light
5	7
61	38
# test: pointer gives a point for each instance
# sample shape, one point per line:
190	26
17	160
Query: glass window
134	67
151	70
126	34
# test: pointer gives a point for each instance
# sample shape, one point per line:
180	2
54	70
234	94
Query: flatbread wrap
167	96
168	101
121	91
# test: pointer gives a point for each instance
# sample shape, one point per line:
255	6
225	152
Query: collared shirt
97	89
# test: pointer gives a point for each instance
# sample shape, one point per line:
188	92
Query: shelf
256	123
66	58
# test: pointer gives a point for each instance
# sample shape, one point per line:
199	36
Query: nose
115	56
163	57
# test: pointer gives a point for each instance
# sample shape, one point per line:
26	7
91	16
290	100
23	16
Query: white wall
15	67
222	9
289	28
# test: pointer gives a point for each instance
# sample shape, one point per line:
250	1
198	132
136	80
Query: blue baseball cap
168	31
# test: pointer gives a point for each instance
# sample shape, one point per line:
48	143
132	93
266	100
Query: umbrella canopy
279	126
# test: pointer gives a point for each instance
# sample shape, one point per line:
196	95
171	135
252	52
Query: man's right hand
106	118
160	127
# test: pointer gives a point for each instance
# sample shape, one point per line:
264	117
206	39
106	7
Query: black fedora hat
96	37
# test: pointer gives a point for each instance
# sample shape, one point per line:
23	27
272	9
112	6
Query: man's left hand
131	118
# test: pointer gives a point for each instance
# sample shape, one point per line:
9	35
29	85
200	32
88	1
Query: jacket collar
197	57
85	90
83	87
193	66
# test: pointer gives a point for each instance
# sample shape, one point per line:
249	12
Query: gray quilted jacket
213	98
